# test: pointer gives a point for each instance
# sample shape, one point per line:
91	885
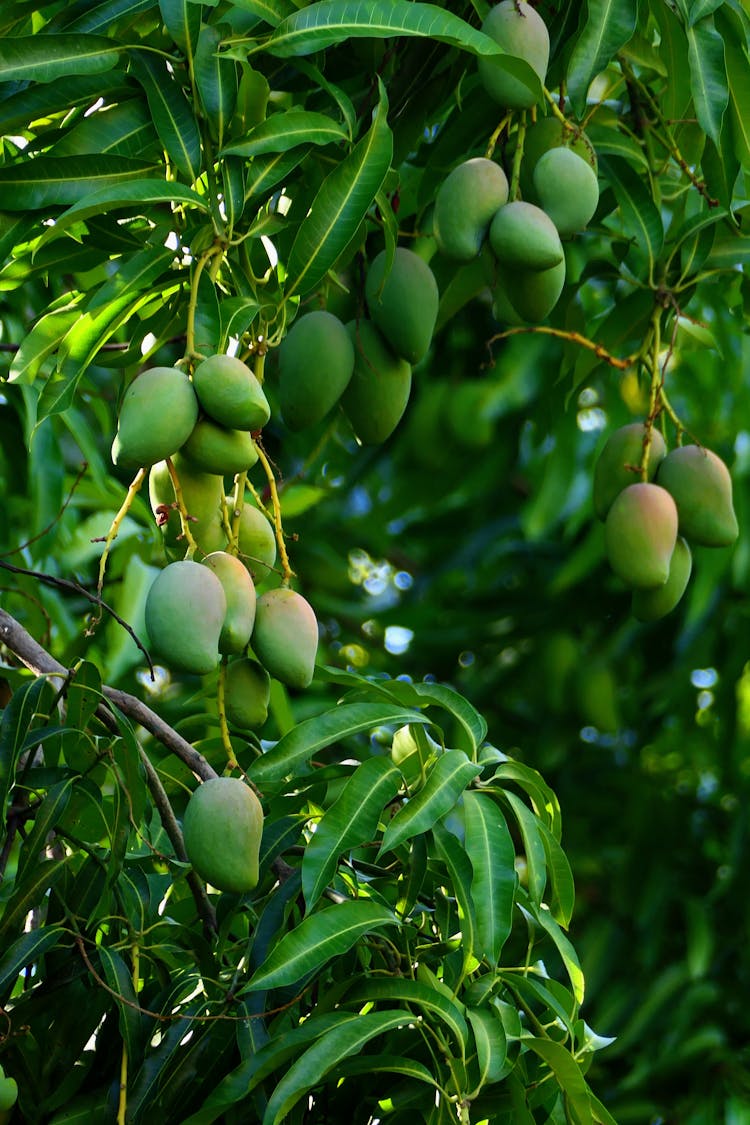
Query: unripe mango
618	463
316	361
540	136
464	205
184	614
533	294
257	541
246	694
158	412
201	493
640	534
522	33
222	830
523	236
650	605
239	592
700	484
285	638
8	1092
230	394
567	189
403	303
216	449
378	391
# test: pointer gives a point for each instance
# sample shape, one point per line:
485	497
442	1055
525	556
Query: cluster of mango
680	498
557	187
192	433
365	364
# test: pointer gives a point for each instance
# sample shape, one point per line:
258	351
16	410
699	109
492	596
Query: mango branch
192	546
573	338
223	725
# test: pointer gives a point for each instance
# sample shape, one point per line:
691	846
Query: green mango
239	591
246	694
157	414
257	541
651	605
640	533
201	493
567	188
523	236
184	614
464	205
222	830
540	136
700	484
230	393
379	389
216	449
403	302
617	465
316	361
522	33
532	294
285	638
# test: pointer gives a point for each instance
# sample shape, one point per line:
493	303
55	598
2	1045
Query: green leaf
182	19
48	813
30	893
446	782
35	102
340	205
27	950
266	173
237	315
532	841
337	1044
392	1064
637	211
172	113
544	801
58	181
739	101
319	25
351	820
562	887
27	711
492	854
491	1042
216	80
41	341
606	27
137	197
106	13
120	980
47	57
708	77
457	862
420	995
123	130
569	957
317	939
568	1075
283	131
454	703
312	735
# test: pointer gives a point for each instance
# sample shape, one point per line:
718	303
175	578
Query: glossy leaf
27	950
638	213
26	712
337	1044
421	996
311	735
708	77
30	893
350	821
119	978
565	948
532	842
491	1043
445	783
607	26
569	1076
172	114
59	181
340	206
283	131
492	855
45	58
216	80
317	939
562	888
182	19
41	341
51	808
460	872
267	172
134	196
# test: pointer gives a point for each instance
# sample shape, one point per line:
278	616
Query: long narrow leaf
312	735
448	778
350	821
45	58
316	940
491	852
26	950
340	205
449	1011
607	27
59	181
283	131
